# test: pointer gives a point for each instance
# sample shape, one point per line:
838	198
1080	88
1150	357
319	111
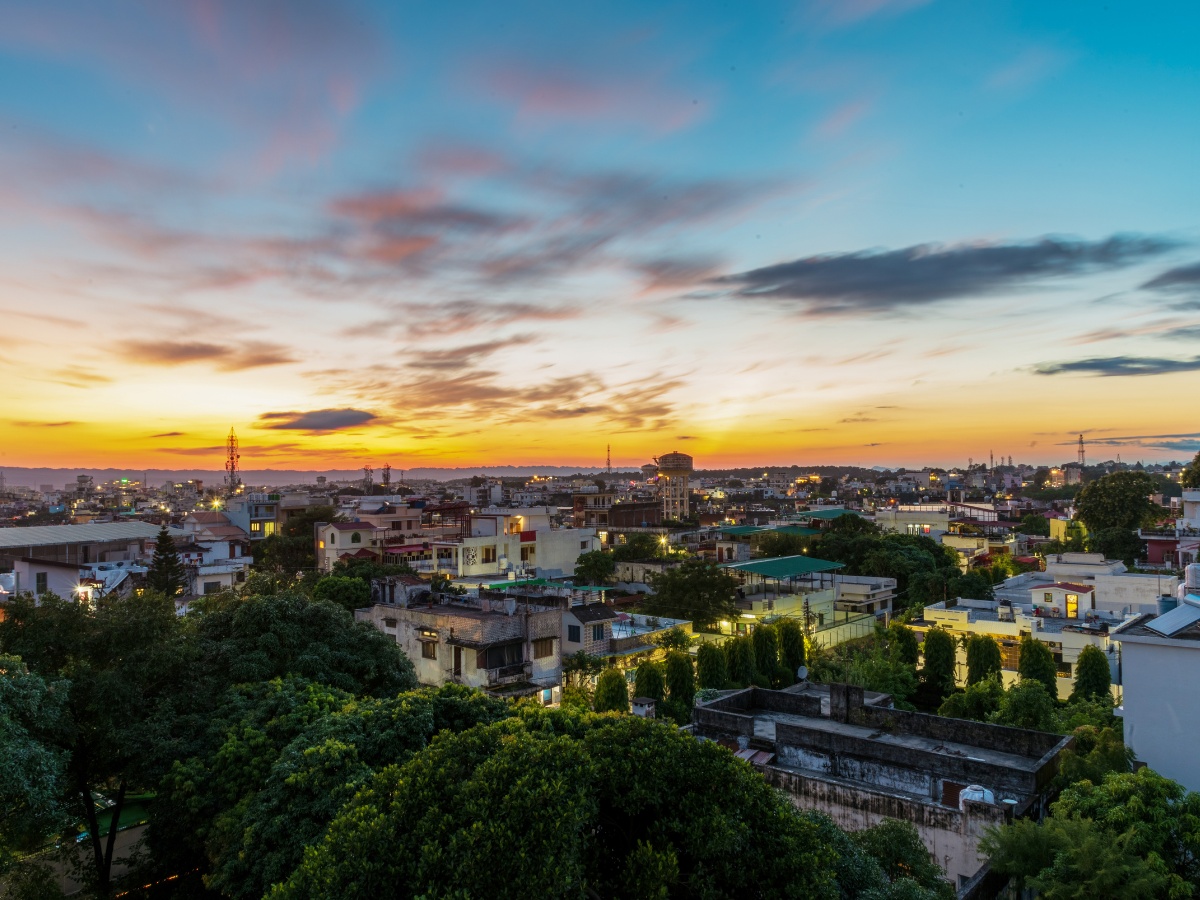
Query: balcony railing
509	674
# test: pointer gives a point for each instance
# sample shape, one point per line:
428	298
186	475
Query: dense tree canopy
594	568
1092	676
1036	663
697	590
166	573
939	652
1119	500
983	658
1190	477
557	805
612	692
638	546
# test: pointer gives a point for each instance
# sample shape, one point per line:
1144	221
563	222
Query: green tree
166	573
553	804
595	568
696	590
1097	753
938	650
739	655
1092	675
1117	543
1036	663
1130	835
580	668
979	701
900	851
1190	477
766	655
33	772
902	644
637	546
983	658
348	593
673	639
974	585
1036	525
712	668
774	544
1119	500
791	644
1027	705
612	692
681	679
649	681
292	548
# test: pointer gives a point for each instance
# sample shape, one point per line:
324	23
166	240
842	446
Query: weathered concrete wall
709	720
1032	744
952	837
843	749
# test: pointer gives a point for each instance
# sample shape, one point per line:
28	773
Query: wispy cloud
225	357
317	420
1115	366
893	280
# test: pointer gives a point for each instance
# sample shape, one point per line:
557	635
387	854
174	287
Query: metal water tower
674	472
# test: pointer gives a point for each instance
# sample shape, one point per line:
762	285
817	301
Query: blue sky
864	231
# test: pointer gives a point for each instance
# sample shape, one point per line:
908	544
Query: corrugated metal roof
785	566
48	535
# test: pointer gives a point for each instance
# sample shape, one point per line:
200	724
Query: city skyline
869	232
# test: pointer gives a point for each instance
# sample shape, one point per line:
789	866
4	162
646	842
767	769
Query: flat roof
93	533
785	566
825	513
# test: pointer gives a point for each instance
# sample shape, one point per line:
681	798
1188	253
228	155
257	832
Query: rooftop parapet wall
1018	741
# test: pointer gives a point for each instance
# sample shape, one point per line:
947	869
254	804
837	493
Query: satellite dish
802	672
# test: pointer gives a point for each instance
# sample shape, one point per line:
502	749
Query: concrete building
1160	668
1117	593
257	514
929	519
846	753
486	641
1177	544
85	544
1007	624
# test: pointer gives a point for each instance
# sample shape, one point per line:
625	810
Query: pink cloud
286	74
842	118
837	13
562	94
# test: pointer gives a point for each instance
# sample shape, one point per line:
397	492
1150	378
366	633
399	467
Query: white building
1117	592
1160	668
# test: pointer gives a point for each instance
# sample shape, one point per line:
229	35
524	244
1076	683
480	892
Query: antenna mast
608	459
368	482
387	478
1081	456
233	471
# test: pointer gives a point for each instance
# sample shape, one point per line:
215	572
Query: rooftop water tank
976	792
1167	603
1191	578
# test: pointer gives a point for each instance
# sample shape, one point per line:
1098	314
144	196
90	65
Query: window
526	554
504	655
543	647
211	587
428	650
583	545
40	582
389	623
573	634
1072	606
256	527
597	632
356	538
332	538
489	554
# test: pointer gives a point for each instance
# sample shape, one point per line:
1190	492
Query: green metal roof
591	588
826	513
526	582
785	566
798	530
741	530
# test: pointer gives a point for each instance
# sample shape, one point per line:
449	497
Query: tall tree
697	590
166	573
712	666
938	650
1027	705
1093	678
743	668
791	644
348	593
766	654
594	568
649	681
612	692
1036	663
1190	477
902	644
983	658
1119	500
681	678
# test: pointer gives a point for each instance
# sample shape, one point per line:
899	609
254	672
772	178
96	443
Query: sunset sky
839	231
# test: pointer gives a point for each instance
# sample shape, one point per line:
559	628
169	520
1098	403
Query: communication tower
387	478
233	470
1081	454
608	459
674	472
368	479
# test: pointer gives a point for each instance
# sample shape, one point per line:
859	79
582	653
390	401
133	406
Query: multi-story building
255	513
1008	625
1117	593
929	519
1177	544
1160	665
846	752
